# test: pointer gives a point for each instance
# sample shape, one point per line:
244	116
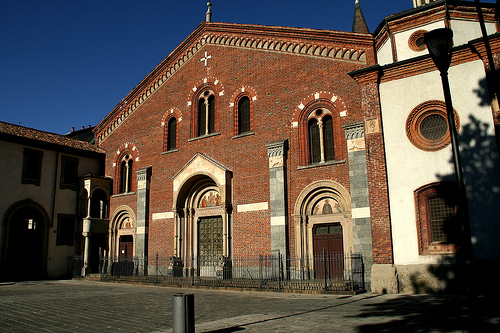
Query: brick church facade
252	140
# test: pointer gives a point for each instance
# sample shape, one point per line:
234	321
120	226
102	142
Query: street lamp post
439	43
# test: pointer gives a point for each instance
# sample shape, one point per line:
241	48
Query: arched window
206	113
126	165
171	134
439	227
99	205
244	115
321	142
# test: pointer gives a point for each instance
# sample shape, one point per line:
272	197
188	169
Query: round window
416	41
427	126
434	127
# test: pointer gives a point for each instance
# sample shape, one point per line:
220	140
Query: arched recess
122	230
25	241
202	203
319	204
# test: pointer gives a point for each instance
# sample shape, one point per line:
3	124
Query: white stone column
86	249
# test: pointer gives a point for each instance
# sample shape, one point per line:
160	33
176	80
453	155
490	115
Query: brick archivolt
317	96
173	112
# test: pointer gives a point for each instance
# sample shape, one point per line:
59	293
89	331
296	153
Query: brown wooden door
126	247
328	250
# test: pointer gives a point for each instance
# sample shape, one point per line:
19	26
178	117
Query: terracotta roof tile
47	137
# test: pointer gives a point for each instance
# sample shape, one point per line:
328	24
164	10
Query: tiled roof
46	137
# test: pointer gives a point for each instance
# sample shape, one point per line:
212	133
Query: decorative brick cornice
335	45
286	46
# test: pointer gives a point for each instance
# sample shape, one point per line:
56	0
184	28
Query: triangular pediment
326	44
201	164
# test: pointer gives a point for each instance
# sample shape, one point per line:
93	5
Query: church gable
318	44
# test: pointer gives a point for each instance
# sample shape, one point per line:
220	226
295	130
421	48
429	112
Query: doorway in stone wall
126	255
210	244
328	250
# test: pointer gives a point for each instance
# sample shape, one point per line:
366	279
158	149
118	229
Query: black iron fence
333	272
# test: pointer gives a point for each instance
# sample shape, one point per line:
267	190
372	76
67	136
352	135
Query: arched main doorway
202	226
25	246
202	202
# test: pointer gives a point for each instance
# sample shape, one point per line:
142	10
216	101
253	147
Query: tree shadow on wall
445	307
481	175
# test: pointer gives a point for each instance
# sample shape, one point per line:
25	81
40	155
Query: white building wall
464	31
401	41
384	53
409	168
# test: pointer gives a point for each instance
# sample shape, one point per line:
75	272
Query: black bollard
183	312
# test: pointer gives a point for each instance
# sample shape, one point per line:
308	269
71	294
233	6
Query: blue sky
67	63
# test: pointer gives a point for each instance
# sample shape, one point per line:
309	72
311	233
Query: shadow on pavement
433	313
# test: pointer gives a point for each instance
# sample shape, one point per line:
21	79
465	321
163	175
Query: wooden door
328	248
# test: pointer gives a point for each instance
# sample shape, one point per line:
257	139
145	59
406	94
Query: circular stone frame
413	41
414	121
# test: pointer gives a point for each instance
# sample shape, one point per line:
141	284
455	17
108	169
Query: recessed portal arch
203	212
122	232
323	208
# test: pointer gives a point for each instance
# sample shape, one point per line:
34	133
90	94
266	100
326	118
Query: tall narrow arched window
314	141
328	138
206	113
172	134
244	115
126	174
321	143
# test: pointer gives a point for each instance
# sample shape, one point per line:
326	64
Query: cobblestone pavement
83	306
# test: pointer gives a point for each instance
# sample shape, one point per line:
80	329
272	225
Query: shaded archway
25	233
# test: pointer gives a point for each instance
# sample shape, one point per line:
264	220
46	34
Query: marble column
276	152
360	202
141	236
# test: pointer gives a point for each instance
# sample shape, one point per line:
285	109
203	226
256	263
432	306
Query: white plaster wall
409	168
401	41
464	31
384	53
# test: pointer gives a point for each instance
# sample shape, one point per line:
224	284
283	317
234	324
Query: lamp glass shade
439	43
